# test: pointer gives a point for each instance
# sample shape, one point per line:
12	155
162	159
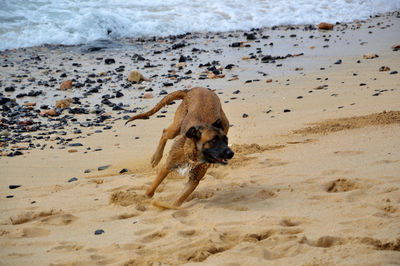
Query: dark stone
99	232
109	61
393	72
9	196
104	167
362	84
245	115
286	110
123	171
163	92
75	144
13	186
229	66
338	62
72	179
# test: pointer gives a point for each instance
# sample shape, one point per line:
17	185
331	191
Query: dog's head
211	142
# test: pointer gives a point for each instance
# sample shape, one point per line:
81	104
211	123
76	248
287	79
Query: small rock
268	81
77	144
393	72
136	76
99	232
50	112
13	186
109	61
384	68
338	62
325	26
66	85
72	179
396	47
123	171
148	95
245	115
370	56
64	103
287	111
101	168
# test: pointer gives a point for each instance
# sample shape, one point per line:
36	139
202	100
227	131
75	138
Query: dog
201	128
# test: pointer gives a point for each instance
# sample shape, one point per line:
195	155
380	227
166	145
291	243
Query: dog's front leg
195	175
160	177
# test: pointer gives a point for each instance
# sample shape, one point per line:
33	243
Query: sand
315	179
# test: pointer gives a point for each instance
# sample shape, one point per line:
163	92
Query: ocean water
25	23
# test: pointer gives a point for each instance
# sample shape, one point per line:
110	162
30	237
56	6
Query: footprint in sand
325	241
342	185
31	216
67	247
154	236
34	232
348	153
59	219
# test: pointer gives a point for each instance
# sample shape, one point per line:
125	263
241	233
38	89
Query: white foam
26	23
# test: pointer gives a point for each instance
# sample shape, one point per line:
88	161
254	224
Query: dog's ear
193	132
218	124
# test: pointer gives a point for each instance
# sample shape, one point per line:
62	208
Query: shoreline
286	197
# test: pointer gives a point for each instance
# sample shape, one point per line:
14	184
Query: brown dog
202	126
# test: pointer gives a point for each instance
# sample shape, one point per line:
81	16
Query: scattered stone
338	62
13	186
245	115
109	61
124	170
75	144
148	95
64	103
325	26
49	112
268	81
66	85
362	84
286	110
393	72
72	179
99	232
72	150
384	68
104	167
136	76
370	56
396	47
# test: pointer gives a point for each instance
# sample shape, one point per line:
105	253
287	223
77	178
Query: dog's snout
229	153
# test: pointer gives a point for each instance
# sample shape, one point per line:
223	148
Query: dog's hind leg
169	133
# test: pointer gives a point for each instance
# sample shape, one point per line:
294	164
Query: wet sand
315	130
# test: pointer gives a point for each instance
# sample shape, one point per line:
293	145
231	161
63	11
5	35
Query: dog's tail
176	95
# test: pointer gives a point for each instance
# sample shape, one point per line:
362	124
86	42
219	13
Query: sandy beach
315	126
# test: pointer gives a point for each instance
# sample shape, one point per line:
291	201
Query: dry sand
316	185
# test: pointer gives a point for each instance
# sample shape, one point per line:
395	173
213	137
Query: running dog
201	128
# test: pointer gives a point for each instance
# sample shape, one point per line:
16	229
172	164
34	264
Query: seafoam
25	23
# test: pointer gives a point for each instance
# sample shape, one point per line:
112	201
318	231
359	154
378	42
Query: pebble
245	115
124	170
286	110
13	186
101	168
393	72
109	61
73	179
99	232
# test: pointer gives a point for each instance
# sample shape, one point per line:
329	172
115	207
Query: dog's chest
184	170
